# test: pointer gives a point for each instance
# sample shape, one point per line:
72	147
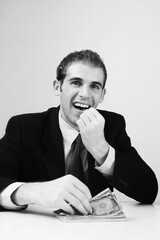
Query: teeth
81	105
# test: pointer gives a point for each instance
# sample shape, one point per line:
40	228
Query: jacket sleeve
131	176
10	152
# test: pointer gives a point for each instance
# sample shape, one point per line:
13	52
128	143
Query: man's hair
86	56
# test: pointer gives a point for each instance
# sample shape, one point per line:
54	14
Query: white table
143	222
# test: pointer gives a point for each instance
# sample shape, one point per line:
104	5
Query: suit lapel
54	157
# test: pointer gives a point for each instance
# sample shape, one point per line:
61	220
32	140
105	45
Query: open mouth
81	106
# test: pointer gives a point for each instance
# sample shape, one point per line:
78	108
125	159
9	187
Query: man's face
82	88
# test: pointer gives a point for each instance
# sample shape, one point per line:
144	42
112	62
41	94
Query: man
34	153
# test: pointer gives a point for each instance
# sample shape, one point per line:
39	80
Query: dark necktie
75	160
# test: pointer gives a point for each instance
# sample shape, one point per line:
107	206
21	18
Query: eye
95	86
76	83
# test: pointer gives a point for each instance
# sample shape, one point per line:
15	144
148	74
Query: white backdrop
36	34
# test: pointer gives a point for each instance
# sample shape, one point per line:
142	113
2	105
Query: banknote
105	206
106	192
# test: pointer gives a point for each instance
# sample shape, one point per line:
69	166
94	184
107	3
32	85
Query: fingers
78	196
89	117
66	207
92	114
95	112
86	118
81	187
79	202
81	199
73	194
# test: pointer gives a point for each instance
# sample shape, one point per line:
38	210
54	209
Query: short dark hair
87	56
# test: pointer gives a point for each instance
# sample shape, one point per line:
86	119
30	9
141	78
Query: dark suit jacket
32	150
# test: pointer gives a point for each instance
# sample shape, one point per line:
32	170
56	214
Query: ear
102	96
56	87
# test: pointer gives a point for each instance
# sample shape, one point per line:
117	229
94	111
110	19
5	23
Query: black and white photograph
79	119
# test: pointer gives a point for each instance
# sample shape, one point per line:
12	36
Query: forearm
134	177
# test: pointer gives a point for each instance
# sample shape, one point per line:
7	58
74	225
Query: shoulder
111	116
114	122
32	119
115	128
34	115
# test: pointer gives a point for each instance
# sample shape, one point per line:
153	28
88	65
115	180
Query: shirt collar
69	133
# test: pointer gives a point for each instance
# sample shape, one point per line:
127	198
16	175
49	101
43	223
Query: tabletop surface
142	222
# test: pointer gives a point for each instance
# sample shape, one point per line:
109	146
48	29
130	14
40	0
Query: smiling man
36	166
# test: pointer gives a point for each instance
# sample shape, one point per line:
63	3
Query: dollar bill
104	205
106	192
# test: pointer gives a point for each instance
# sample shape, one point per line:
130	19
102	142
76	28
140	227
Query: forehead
85	71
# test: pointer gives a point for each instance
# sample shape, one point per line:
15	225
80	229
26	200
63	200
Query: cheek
100	97
97	98
65	101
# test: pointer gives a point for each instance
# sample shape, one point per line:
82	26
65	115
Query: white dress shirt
69	135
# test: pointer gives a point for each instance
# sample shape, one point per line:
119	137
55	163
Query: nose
84	92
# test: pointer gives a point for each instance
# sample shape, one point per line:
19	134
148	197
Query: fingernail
91	210
85	213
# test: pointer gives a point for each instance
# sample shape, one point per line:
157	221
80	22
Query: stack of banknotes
104	207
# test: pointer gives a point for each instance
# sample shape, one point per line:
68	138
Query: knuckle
82	115
69	178
82	199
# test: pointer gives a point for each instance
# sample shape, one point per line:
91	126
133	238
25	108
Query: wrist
101	152
23	195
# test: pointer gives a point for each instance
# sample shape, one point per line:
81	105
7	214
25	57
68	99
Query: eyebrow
75	78
80	79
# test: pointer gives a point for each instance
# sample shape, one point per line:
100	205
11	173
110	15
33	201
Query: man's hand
61	193
91	126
